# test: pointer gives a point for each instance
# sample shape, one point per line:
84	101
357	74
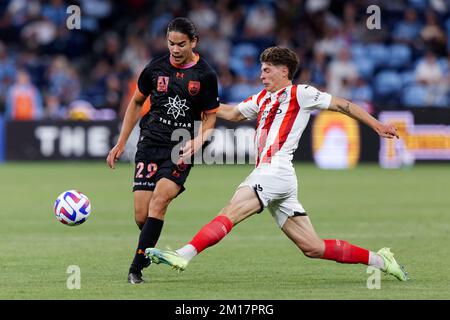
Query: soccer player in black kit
182	89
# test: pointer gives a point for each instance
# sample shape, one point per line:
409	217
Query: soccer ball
72	208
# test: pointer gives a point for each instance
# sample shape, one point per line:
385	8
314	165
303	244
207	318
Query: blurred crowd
48	71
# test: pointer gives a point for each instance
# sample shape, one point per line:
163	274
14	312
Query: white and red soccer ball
72	208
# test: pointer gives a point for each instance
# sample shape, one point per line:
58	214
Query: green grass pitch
407	210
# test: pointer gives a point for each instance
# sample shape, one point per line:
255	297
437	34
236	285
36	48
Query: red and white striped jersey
281	117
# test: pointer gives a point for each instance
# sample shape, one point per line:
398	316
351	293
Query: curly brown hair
281	56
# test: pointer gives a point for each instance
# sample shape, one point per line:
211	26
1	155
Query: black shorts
154	163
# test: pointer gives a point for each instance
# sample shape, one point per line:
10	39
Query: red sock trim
343	252
212	233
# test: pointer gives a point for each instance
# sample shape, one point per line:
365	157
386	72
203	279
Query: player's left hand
387	131
189	149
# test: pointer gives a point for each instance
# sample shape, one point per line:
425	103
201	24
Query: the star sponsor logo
176	106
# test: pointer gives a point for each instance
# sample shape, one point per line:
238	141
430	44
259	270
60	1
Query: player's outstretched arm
131	117
356	112
231	113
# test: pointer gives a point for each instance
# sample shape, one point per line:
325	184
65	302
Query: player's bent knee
160	201
237	212
312	251
311	254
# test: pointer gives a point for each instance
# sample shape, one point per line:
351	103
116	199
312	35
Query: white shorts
276	190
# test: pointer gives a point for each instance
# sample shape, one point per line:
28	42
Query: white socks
376	261
187	252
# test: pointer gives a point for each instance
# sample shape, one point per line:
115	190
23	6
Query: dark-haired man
182	89
282	111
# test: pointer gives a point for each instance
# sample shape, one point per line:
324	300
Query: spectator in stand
53	108
342	74
116	39
56	12
98	85
136	54
23	99
331	44
230	18
63	81
428	71
109	47
113	93
80	110
38	33
260	22
18	13
318	71
7	72
447	77
242	89
216	47
202	15
226	81
362	94
130	88
433	35
250	69
430	74
408	30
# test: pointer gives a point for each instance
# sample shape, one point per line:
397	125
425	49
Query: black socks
149	236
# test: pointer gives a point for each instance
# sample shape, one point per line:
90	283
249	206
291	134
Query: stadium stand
96	65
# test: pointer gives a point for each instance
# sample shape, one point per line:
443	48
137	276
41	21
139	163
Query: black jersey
178	96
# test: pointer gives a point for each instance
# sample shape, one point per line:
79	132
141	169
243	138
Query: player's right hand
387	131
114	155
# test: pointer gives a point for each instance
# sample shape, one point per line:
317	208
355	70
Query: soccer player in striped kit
282	111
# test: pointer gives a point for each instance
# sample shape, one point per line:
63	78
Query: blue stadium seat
447	29
244	49
400	55
441	101
239	52
236	64
414	95
418	4
379	53
443	64
365	66
358	51
387	86
242	91
408	77
387	82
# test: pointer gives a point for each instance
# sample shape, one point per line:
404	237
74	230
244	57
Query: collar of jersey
186	66
274	94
